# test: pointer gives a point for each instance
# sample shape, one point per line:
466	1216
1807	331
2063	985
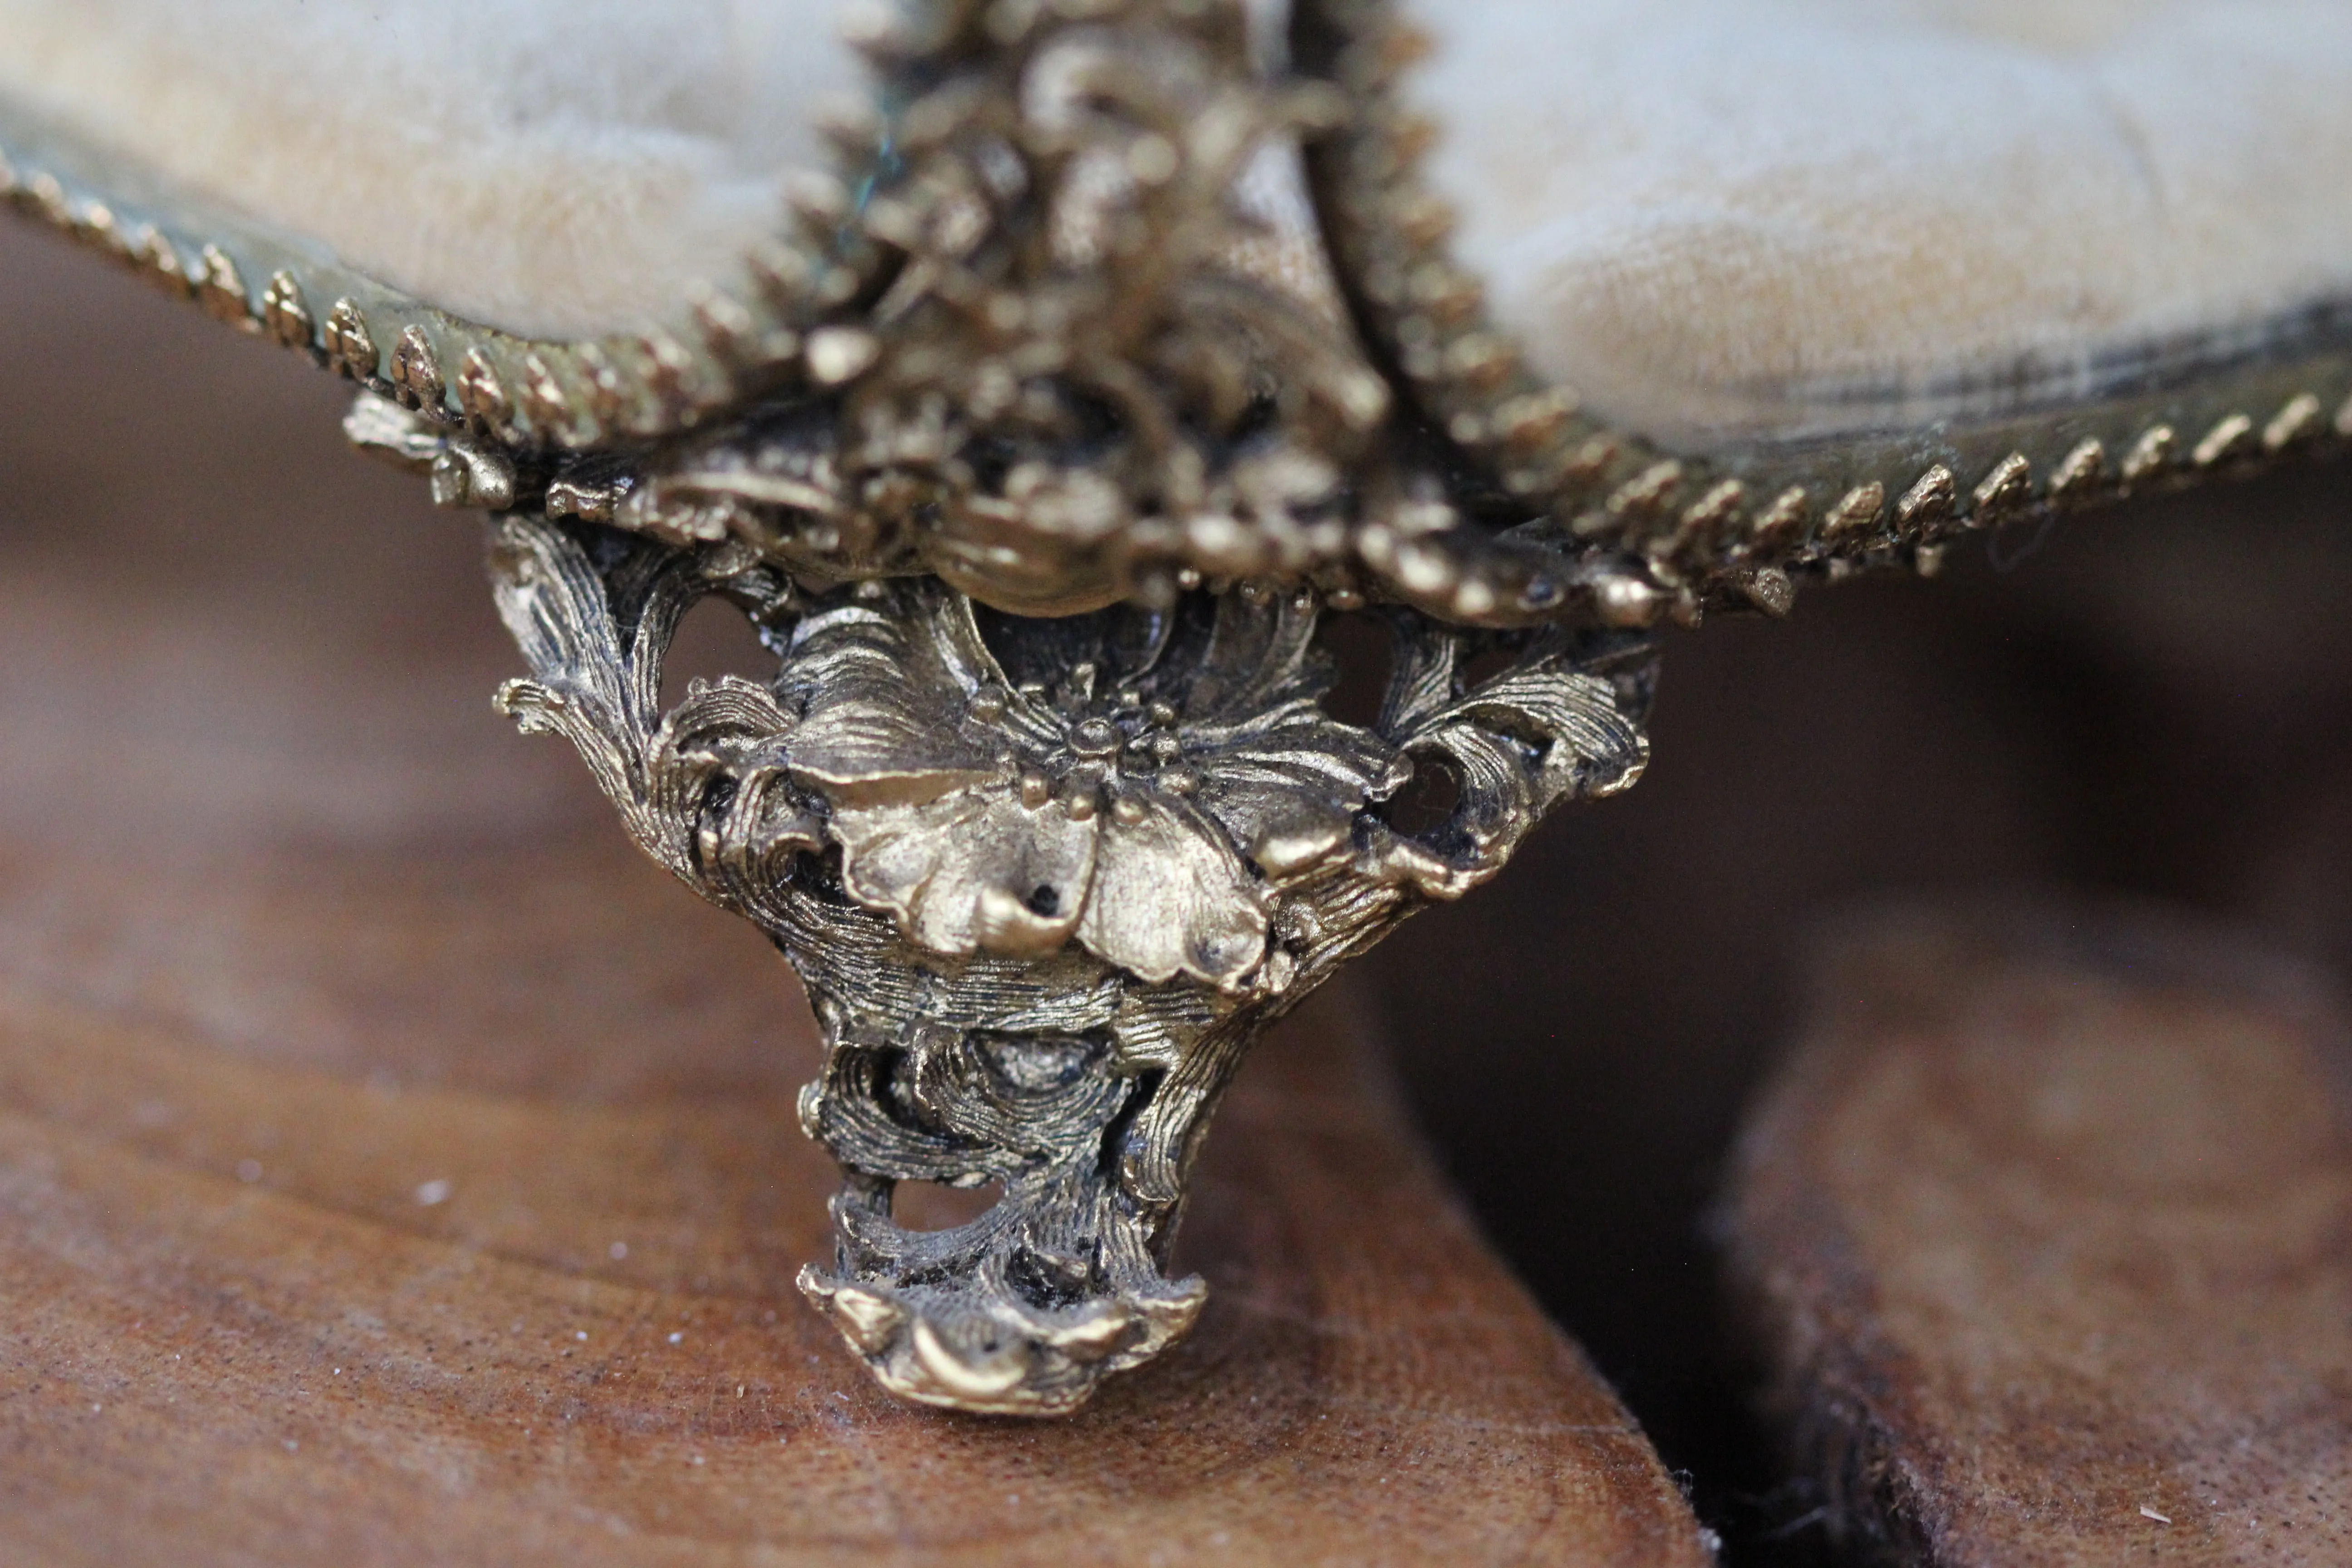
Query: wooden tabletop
2047	1228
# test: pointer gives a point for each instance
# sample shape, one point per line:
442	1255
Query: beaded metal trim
1026	361
928	376
1048	867
1697	516
756	334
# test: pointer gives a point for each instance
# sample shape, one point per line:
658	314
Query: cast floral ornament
1044	881
1147	801
1041	452
1125	349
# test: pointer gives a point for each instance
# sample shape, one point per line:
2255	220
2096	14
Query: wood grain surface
395	1168
2048	1230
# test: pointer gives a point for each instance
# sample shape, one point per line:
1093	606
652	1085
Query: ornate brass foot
1037	450
1045	881
1124	341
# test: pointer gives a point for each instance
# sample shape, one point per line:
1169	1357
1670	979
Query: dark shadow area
2154	702
714	640
931	1206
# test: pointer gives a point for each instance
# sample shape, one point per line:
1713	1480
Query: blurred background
2150	701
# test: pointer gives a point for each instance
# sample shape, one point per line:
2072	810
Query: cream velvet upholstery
1725	217
1715	219
553	167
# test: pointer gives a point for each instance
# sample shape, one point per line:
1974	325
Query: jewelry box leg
1045	882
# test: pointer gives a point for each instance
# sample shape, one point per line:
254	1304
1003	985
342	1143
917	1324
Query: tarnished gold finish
1045	880
1080	374
1037	453
1027	340
1045	347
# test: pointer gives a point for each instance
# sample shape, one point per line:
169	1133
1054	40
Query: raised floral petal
1285	835
970	871
1171	897
1260	659
879	727
868	753
1289	797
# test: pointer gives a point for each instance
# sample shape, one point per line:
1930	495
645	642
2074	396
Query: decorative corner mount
1117	316
1047	868
1045	881
1043	800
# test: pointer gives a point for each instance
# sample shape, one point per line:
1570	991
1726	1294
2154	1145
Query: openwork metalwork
1043	800
1040	452
1045	880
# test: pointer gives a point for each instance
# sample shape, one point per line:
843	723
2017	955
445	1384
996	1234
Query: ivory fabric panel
557	168
1728	218
1718	220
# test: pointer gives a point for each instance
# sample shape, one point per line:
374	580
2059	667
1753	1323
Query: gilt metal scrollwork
1040	449
1045	880
1123	350
1043	799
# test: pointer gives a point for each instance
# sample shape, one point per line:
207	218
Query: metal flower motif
1158	786
1145	782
